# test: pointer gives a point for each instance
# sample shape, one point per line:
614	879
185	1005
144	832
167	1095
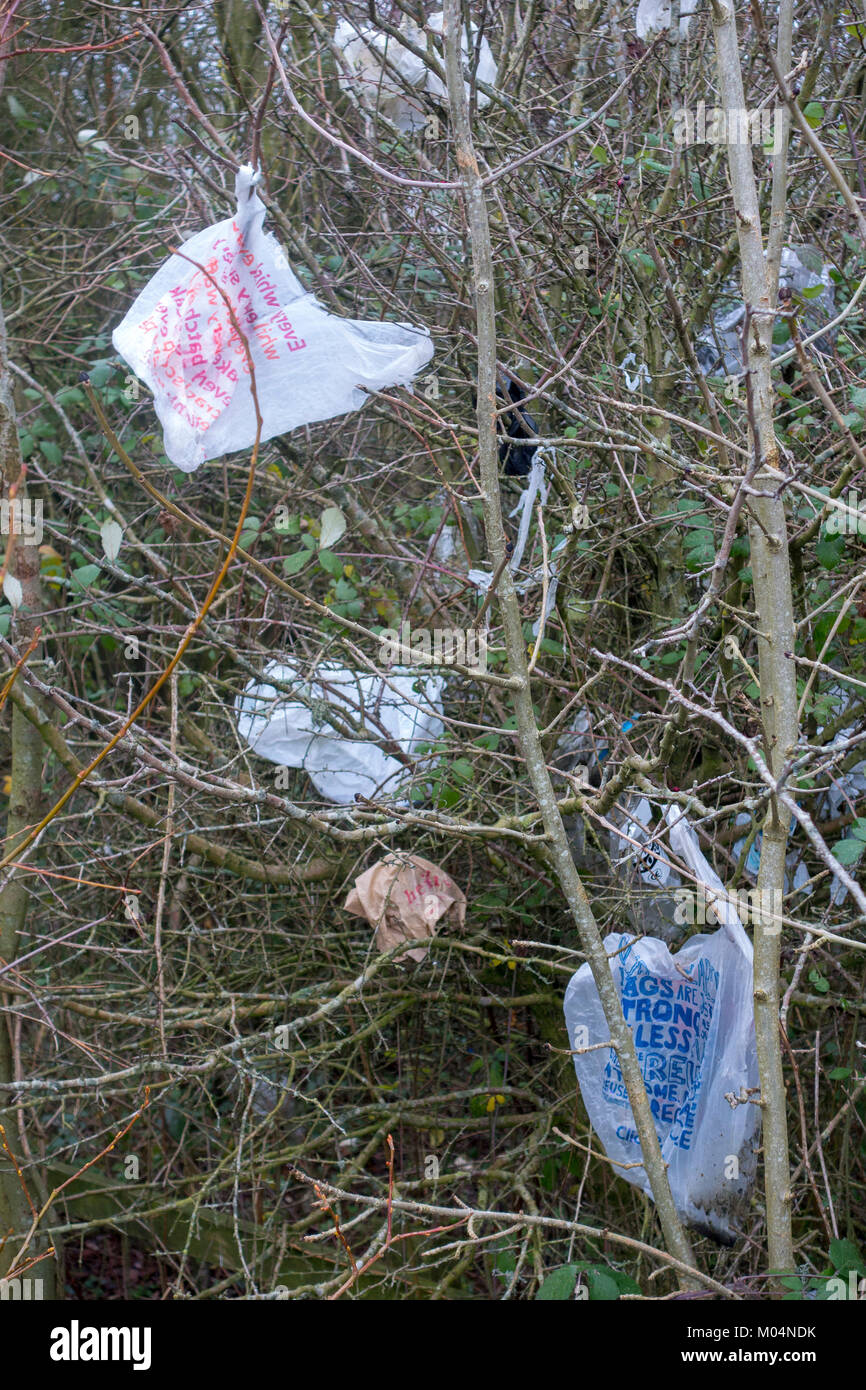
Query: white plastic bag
692	1021
369	54
309	364
366	52
486	71
654	17
293	733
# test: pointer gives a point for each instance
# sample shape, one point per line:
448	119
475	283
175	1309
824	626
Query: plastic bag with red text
180	339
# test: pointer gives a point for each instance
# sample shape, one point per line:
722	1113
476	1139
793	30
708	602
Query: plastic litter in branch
376	62
342	762
180	338
692	1022
406	898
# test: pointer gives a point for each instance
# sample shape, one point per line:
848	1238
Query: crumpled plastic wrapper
719	346
406	898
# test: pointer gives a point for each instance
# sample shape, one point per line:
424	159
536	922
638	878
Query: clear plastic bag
297	733
368	53
179	338
692	1020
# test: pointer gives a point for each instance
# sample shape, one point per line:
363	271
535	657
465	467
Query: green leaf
345	591
448	797
624	1282
840	1073
848	851
51	452
293	564
829	553
70	395
818	981
814	113
330	563
812	291
602	1286
100	373
559	1285
845	1256
84	576
641	261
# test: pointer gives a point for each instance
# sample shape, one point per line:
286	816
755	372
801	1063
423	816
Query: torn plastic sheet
634	848
643	864
486	71
513	429
692	1021
536	486
639	861
642	373
369	54
842	795
180	339
297	732
719	345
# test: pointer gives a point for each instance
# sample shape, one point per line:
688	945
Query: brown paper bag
404	897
